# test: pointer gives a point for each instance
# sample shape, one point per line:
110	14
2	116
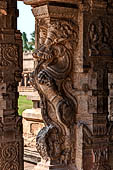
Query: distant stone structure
25	88
32	124
28	67
32	118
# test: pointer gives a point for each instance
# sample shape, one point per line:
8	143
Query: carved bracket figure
51	78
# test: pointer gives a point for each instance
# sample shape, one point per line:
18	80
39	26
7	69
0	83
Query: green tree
25	42
32	42
28	46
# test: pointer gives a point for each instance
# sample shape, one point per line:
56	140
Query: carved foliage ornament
54	65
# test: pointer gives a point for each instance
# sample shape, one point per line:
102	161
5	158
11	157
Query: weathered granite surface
32	124
74	64
11	140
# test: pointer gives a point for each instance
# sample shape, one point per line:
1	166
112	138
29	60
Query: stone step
31	156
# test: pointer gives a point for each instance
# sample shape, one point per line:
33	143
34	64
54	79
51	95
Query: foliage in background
32	42
28	46
24	104
25	42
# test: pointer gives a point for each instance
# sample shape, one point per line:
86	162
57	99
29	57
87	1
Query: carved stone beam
39	2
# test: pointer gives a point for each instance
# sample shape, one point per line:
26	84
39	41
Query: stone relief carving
8	54
11	140
110	7
86	6
101	159
110	132
52	79
9	156
87	136
99	38
11	166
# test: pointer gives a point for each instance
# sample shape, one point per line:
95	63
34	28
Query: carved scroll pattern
9	156
52	79
8	55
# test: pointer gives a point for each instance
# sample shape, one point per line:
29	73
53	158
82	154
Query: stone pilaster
11	141
94	143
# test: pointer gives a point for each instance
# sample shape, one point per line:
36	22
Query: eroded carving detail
11	140
51	78
11	166
9	156
8	55
99	38
100	159
87	136
9	153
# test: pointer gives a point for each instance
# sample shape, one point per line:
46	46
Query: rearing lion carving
51	78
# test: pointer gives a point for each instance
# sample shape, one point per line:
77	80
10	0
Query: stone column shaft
11	141
94	129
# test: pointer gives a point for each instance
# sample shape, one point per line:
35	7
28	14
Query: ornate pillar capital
53	11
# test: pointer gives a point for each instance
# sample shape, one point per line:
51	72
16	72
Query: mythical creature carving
51	77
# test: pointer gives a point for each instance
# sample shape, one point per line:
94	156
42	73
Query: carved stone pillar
94	131
11	141
74	58
57	38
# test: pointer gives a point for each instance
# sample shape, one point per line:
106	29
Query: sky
26	21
